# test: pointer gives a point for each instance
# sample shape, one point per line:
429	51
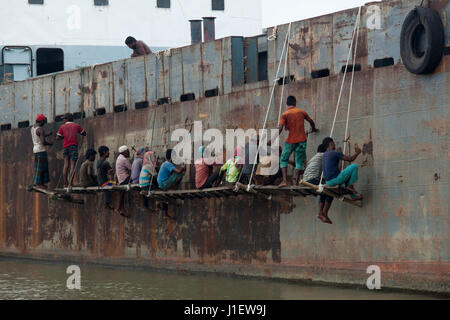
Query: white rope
346	136
284	77
343	80
270	102
345	73
321	188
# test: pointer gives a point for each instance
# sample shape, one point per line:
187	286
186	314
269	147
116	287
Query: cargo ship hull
399	119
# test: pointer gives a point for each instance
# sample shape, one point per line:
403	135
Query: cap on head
122	149
40	118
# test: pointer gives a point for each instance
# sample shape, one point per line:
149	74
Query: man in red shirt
293	120
69	132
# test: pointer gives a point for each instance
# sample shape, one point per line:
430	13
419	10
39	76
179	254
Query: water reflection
30	280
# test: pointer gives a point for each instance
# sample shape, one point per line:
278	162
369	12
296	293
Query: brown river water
24	279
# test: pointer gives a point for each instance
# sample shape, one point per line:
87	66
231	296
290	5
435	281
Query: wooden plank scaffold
304	189
54	195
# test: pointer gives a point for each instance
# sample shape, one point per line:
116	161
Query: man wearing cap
38	135
69	132
123	170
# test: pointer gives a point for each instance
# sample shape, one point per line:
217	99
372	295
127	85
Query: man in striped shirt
312	175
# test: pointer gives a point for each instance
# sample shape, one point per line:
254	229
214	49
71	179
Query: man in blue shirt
331	173
170	176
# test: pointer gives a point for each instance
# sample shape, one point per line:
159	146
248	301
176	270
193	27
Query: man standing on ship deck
38	135
293	120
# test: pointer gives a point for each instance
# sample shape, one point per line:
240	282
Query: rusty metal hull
400	120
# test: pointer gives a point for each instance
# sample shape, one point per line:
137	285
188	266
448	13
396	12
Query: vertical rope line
345	74
346	137
343	81
271	96
284	77
270	102
151	147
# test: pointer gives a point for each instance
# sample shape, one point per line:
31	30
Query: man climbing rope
293	120
331	173
69	132
38	135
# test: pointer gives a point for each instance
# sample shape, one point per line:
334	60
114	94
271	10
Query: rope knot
321	188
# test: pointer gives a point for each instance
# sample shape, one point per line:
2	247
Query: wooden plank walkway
54	195
305	189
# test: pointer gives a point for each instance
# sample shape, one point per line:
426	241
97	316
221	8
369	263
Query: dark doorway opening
49	60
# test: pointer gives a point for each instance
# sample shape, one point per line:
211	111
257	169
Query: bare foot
324	219
283	184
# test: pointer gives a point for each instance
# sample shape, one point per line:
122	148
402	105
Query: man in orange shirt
293	120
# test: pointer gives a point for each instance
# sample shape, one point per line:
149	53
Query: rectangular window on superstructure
163	3
218	5
101	2
35	1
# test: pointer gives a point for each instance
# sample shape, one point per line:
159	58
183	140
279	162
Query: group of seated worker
326	160
210	172
144	171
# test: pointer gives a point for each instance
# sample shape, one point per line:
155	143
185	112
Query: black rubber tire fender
422	40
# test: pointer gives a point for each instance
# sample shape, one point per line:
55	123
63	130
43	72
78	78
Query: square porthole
49	60
218	5
101	2
163	4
